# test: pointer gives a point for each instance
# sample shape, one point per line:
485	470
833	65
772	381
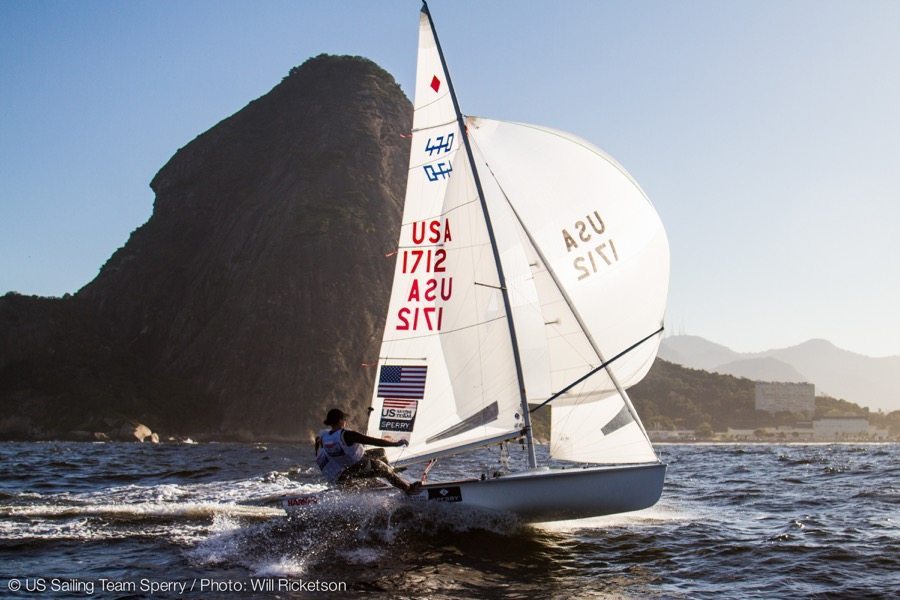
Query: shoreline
190	441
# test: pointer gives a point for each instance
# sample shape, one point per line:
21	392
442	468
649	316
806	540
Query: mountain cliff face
246	305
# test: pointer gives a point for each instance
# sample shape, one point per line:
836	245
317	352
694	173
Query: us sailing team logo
398	415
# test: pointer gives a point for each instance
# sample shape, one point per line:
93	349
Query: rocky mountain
867	381
249	301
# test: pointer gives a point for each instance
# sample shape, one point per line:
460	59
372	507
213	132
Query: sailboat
531	274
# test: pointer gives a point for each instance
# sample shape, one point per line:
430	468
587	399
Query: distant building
740	433
838	427
797	398
879	434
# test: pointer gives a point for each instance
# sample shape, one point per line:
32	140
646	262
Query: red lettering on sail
423	261
422	310
424	318
432	231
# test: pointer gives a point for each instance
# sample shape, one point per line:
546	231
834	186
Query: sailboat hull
537	495
557	494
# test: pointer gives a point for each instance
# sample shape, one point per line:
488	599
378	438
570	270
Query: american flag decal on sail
402	382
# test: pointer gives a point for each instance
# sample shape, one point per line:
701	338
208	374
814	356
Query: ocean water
166	521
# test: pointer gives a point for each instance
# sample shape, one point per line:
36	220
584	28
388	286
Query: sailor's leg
357	475
377	454
384	470
380	454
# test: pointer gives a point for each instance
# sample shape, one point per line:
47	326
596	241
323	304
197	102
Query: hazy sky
767	133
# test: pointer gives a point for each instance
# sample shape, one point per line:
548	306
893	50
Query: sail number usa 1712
594	253
429	283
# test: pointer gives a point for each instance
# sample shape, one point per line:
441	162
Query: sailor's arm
352	437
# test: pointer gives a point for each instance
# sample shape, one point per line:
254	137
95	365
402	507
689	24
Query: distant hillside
675	397
248	302
867	381
765	368
864	380
696	352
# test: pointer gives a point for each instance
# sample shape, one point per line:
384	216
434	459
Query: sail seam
429	162
439	215
446	331
435	101
416	130
442	245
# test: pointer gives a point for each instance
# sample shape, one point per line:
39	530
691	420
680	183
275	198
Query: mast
526	415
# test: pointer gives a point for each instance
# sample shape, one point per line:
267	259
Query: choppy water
734	522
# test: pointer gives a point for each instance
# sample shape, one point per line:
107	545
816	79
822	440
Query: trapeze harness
335	457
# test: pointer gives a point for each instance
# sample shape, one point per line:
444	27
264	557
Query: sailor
340	455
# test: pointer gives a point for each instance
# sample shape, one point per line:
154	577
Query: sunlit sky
767	133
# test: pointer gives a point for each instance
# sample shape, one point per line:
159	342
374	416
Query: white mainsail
600	262
446	372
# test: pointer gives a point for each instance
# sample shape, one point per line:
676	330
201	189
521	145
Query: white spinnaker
608	251
446	310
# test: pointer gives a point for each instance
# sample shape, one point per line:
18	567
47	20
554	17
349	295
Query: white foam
282	567
141	510
362	555
247	490
657	515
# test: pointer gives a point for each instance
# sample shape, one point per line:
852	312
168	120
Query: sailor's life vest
335	456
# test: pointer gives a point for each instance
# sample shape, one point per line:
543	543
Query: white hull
546	494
